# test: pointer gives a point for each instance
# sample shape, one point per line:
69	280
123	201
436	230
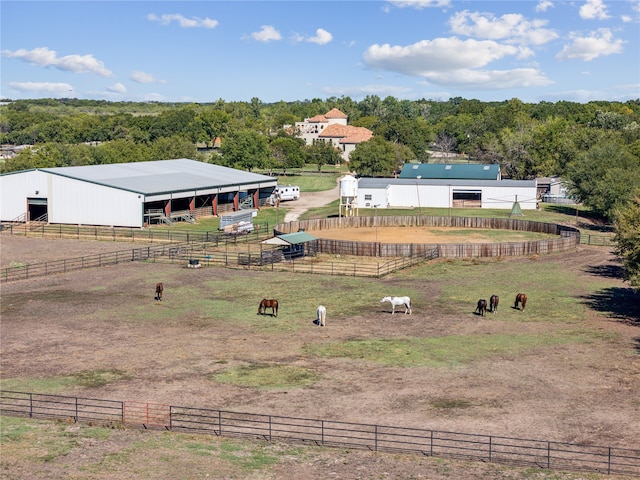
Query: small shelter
293	245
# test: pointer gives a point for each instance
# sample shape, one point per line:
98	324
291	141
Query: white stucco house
332	127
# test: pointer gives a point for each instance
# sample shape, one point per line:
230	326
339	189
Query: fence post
269	427
609	462
322	432
548	454
490	445
31	405
375	439
220	422
75	418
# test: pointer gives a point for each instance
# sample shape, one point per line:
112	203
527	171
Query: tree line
594	146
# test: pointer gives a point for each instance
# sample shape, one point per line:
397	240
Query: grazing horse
159	290
482	307
493	303
521	299
396	302
272	304
322	315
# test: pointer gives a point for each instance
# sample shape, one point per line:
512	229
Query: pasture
567	369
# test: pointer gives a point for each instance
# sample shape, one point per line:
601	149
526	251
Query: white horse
322	315
396	302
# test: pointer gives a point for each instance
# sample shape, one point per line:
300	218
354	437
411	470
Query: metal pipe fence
330	433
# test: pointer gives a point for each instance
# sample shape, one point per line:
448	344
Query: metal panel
16	187
77	202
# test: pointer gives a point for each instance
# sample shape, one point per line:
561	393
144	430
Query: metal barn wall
77	202
440	196
15	188
503	197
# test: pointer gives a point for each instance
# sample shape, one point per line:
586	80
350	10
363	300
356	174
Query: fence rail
330	433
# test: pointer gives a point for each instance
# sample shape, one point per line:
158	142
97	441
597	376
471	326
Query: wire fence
329	433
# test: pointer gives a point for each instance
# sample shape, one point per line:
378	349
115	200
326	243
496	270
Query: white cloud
44	57
184	22
48	88
512	27
143	77
599	43
451	61
543	5
626	18
266	34
322	37
420	4
594	9
117	88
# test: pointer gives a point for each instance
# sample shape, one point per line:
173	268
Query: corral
566	370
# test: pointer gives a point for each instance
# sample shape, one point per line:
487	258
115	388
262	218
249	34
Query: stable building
130	194
443	193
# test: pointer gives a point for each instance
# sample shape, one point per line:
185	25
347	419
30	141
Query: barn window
467	198
368	197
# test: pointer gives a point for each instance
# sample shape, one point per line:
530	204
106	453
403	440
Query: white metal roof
162	176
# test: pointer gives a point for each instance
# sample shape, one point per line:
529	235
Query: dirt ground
62	324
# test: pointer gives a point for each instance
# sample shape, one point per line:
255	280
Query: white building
332	127
130	194
445	193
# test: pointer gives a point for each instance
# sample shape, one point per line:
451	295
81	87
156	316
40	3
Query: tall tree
627	224
323	153
604	177
246	149
375	157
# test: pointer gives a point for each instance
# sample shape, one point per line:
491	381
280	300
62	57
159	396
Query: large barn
130	194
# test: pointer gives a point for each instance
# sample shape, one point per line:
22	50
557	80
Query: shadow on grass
622	304
599	223
609	271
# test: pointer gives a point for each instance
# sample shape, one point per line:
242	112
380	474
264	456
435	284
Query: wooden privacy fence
568	237
329	433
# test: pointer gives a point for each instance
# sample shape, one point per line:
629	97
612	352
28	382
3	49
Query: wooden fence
330	433
567	237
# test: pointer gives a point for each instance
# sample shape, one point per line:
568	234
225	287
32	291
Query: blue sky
202	51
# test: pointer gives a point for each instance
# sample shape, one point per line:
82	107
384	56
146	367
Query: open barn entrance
37	210
466	198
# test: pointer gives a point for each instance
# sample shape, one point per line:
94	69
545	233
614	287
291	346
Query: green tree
604	177
627	224
246	149
323	153
287	152
375	157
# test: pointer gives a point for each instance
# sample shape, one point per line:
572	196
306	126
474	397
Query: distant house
462	171
332	127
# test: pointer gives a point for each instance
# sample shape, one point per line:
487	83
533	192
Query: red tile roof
335	113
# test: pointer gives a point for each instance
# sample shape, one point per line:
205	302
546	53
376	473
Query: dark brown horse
493	303
159	290
482	307
272	304
521	299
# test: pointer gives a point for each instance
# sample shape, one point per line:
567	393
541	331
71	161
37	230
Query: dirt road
309	200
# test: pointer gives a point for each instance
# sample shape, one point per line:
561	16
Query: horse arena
105	321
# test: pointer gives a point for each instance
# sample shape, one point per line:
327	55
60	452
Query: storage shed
130	194
293	244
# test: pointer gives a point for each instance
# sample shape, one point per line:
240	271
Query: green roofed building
456	171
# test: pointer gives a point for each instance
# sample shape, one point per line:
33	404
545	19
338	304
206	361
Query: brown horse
272	304
159	290
521	299
482	307
493	303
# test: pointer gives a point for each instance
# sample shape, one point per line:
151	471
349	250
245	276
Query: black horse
272	304
493	303
481	309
